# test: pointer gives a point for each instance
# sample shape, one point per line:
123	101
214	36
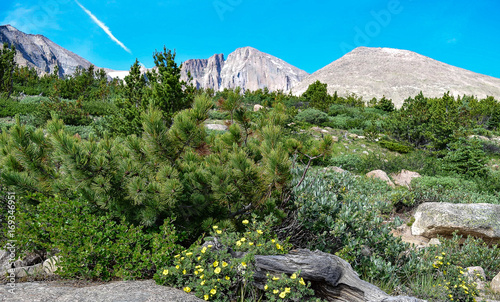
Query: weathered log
332	277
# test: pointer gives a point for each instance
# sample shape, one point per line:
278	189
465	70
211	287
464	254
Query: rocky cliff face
205	72
247	68
398	74
41	53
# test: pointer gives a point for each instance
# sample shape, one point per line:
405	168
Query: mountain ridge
41	53
245	67
398	74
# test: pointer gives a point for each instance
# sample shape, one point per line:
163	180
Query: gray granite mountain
398	74
247	68
41	53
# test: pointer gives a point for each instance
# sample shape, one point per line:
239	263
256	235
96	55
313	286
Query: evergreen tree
168	92
128	118
317	96
7	68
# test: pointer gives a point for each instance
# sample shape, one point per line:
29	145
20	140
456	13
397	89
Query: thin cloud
103	27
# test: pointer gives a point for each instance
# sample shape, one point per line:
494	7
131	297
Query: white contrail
104	27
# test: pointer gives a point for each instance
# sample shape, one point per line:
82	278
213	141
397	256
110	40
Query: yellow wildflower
217	270
218	232
302	281
293	276
227	278
165	272
260	232
276	278
266	287
213	291
205	297
187	289
287	290
282	295
203	250
202	283
242	239
245	221
275	291
216	263
215	227
224	264
244	264
189	254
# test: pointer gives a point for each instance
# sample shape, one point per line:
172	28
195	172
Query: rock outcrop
404	178
495	284
398	74
41	53
440	218
379	174
130	291
246	67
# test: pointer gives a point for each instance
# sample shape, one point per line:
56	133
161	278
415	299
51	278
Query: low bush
312	116
92	244
211	273
334	212
9	108
218	115
395	146
450	189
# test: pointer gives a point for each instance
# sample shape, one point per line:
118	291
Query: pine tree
7	68
168	92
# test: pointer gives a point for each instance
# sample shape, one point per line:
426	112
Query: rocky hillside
247	68
398	74
41	53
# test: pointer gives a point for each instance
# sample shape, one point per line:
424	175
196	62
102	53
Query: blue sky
307	34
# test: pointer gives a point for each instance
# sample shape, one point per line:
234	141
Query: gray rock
332	277
404	178
436	218
247	68
41	53
217	127
495	284
123	291
397	74
257	107
379	174
434	241
475	274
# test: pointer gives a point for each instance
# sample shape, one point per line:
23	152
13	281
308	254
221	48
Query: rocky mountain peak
41	53
398	74
246	67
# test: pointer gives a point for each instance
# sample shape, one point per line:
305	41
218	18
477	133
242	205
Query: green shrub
335	213
9	108
449	189
218	115
394	146
98	108
466	158
349	162
83	131
91	243
213	274
312	116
